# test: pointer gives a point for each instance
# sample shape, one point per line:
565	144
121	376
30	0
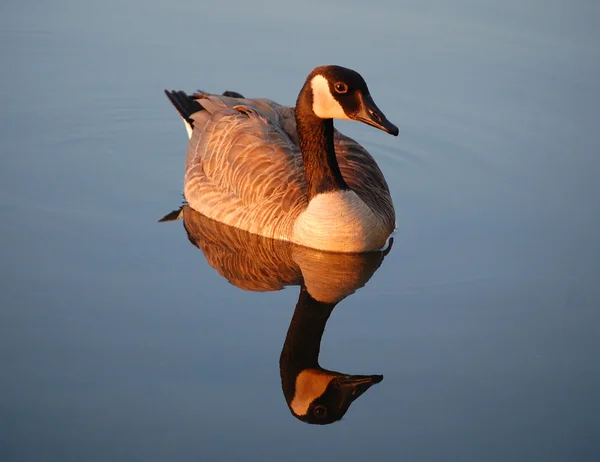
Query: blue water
118	341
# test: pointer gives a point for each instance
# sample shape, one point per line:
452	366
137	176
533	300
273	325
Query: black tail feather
185	104
172	216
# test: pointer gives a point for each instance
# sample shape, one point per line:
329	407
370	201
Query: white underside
339	222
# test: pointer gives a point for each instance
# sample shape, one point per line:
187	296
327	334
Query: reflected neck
316	140
303	340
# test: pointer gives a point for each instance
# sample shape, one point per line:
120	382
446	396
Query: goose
313	394
284	172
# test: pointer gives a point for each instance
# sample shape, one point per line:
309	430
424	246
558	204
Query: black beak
370	114
355	385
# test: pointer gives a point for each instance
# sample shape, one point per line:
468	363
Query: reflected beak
370	114
355	385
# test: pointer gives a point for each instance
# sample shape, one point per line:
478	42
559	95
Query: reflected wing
256	263
248	261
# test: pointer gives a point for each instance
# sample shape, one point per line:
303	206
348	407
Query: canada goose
313	394
286	173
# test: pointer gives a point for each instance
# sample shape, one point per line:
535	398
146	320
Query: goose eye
320	411
341	87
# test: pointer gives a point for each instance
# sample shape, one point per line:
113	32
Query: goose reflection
314	395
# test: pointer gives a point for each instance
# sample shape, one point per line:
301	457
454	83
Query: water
118	340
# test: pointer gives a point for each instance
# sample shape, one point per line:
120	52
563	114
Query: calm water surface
120	341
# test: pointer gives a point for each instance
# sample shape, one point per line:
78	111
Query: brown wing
243	169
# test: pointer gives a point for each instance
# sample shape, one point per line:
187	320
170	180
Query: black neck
315	136
303	340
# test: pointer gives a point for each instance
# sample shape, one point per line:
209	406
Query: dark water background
119	342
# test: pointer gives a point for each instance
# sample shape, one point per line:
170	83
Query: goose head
340	93
322	397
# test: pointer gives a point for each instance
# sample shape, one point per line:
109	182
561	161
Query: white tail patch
188	128
324	104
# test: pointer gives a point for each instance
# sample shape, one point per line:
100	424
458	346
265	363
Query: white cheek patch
324	104
310	384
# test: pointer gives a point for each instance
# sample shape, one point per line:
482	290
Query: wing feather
242	168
